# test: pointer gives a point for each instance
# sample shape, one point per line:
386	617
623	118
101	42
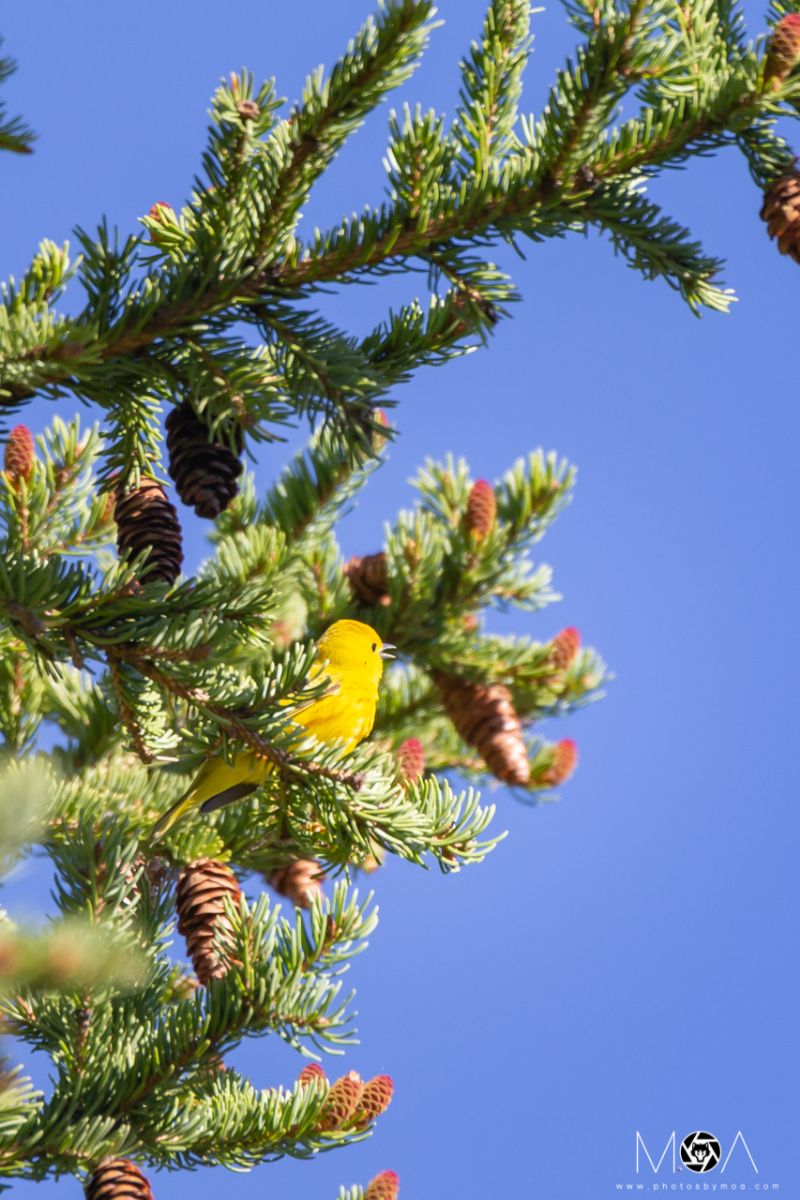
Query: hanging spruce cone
368	578
783	50
204	470
118	1179
147	521
385	1186
781	211
485	717
299	881
481	511
200	902
19	455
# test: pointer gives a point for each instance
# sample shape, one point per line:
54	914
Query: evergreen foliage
213	308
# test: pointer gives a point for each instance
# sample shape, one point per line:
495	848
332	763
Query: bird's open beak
385	648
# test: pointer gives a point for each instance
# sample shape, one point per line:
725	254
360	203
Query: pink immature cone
310	1073
19	455
341	1102
385	1186
375	1099
410	760
481	509
160	210
783	50
565	647
565	760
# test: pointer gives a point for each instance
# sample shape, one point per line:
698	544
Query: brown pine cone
204	470
147	521
202	888
368	578
781	211
485	717
118	1179
19	455
299	881
481	512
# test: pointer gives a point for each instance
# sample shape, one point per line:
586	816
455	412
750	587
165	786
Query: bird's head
352	647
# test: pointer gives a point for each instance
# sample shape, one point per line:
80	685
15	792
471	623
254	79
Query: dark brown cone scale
200	903
368	578
205	471
781	211
486	719
147	521
118	1179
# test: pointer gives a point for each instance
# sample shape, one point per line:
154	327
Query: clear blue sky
624	960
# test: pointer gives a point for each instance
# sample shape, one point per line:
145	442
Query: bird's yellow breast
346	712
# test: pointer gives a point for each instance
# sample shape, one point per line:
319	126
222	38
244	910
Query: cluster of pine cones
483	713
205	471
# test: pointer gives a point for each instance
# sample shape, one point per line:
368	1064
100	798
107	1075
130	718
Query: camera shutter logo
700	1151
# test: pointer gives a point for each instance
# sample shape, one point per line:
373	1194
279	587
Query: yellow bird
350	655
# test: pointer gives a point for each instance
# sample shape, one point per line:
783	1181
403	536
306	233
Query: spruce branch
234	252
210	313
14	133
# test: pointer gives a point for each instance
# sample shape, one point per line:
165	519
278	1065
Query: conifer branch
143	677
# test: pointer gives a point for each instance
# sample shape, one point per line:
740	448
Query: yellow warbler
350	655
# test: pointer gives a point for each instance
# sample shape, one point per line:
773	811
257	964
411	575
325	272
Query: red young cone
385	1186
341	1102
311	1072
565	647
375	1098
411	760
379	440
481	509
783	49
19	454
565	760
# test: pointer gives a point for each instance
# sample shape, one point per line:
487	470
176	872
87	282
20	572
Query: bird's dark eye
374	647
